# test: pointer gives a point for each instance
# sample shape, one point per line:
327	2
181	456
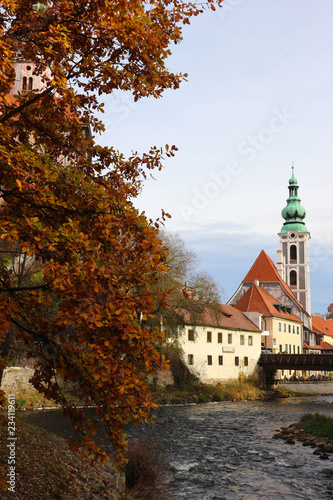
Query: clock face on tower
293	235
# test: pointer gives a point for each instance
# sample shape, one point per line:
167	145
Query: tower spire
293	212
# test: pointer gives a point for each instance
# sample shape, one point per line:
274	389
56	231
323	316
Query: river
226	450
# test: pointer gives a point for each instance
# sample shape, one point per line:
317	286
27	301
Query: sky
258	98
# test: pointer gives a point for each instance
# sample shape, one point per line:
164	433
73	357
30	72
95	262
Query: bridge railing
278	361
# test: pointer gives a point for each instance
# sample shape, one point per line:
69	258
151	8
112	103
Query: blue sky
258	97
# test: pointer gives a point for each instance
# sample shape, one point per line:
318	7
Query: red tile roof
264	270
258	299
316	346
229	317
322	326
326	346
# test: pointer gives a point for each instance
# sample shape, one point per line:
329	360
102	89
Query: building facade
222	348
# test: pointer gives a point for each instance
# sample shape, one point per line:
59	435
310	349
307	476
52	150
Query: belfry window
24	85
293	253
293	278
30	83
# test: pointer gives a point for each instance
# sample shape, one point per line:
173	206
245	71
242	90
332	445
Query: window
293	329
236	361
246	361
250	341
280	348
242	340
293	278
284	327
209	360
220	360
262	325
30	83
24	85
209	336
293	253
190	359
280	327
191	335
294	349
286	348
298	350
289	329
229	338
219	337
298	330
289	348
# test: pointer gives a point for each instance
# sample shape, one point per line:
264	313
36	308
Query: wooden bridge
272	362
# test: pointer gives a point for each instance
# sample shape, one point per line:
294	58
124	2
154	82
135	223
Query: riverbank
313	430
198	392
43	467
304	388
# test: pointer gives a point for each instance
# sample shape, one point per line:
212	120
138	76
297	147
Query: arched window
293	278
293	252
24	85
30	83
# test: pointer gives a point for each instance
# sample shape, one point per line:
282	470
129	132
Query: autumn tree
190	291
67	203
330	311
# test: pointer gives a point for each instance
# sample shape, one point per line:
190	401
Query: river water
226	450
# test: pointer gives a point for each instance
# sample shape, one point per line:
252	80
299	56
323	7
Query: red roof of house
258	299
264	270
316	346
324	346
228	317
327	346
322	326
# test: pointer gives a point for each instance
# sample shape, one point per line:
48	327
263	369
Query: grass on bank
198	392
318	425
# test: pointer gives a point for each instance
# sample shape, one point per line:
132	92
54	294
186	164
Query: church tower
293	257
25	79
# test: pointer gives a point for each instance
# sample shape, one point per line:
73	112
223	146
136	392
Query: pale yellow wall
328	339
201	349
288	339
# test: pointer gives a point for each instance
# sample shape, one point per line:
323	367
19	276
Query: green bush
318	425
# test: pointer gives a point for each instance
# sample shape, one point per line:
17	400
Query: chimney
279	263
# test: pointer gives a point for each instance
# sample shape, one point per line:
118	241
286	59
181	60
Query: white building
222	347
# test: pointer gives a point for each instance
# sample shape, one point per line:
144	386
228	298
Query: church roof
322	326
264	270
258	299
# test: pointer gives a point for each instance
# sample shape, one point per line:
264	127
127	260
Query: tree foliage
190	292
67	203
330	311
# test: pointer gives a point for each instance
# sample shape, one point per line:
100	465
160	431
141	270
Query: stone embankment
319	388
295	432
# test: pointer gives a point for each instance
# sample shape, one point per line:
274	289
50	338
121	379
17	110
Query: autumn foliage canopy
79	264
